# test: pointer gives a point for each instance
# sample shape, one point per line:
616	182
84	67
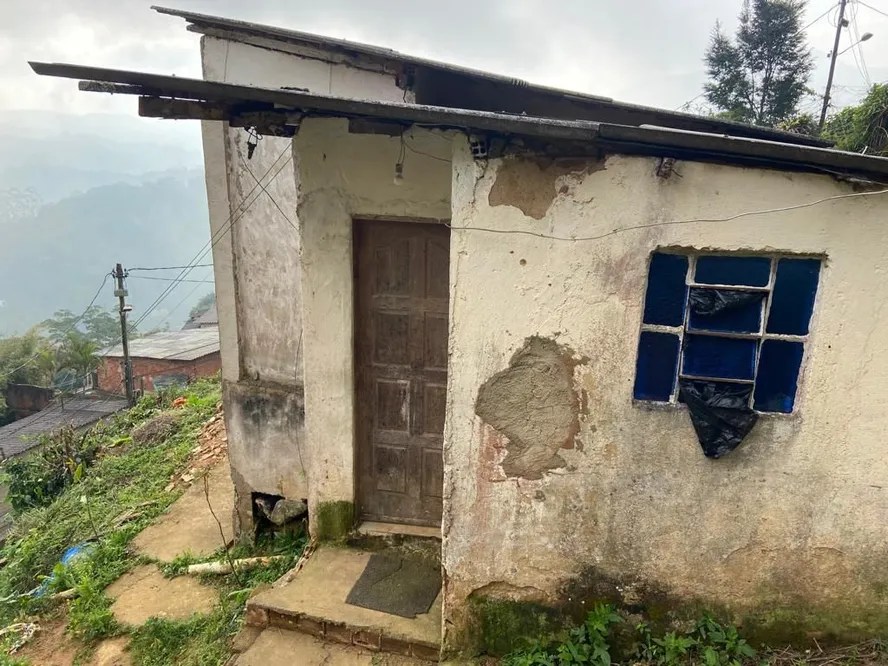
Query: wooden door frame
356	441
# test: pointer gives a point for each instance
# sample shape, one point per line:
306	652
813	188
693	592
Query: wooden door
401	307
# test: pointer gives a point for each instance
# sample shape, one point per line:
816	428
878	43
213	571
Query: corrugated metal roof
208	319
186	345
19	436
198	98
617	112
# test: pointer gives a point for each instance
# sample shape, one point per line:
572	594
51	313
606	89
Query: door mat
396	585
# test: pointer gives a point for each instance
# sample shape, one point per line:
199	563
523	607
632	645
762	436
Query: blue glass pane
708	356
778	376
792	301
664	302
655	370
746	271
725	310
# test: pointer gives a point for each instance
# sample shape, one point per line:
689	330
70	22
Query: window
738	322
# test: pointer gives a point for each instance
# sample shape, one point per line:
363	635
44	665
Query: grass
105	506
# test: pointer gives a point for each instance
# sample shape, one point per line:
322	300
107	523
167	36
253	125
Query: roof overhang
407	68
279	111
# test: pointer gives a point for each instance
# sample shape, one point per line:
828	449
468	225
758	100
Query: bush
36	479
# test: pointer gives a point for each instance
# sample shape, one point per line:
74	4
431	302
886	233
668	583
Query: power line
164	279
819	17
166	268
70	328
614	232
878	11
217	236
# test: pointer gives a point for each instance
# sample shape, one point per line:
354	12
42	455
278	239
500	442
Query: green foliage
98	325
36	479
24	359
198	641
205	303
707	642
123	480
762	74
586	644
863	127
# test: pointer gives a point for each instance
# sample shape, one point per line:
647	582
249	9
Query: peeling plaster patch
530	184
534	408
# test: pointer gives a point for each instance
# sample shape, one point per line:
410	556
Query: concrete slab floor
278	647
188	526
319	590
144	592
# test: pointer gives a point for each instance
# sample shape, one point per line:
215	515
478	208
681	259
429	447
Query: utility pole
832	63
121	293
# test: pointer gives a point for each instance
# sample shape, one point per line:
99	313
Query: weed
586	644
708	643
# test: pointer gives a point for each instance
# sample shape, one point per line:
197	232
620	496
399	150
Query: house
162	359
208	319
602	350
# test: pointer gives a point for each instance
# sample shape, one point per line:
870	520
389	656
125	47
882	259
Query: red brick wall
146	369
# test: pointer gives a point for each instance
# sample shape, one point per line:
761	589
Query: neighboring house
23	435
162	359
531	319
24	399
208	319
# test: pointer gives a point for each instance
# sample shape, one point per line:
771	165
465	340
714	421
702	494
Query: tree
100	326
761	76
78	353
205	303
863	127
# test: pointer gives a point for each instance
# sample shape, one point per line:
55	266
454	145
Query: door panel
401	328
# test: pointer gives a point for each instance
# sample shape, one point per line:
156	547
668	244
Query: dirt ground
51	646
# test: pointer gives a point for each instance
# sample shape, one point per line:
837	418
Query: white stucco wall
796	514
256	257
345	176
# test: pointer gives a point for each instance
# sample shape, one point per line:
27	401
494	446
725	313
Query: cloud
643	51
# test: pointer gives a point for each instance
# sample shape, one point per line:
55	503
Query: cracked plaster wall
345	176
795	516
257	265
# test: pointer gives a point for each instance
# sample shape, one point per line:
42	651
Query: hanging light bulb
399	173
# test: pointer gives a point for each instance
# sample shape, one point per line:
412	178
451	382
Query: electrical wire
615	232
878	11
70	328
819	17
166	268
217	236
163	279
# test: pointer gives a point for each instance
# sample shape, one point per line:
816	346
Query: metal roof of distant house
206	320
19	436
588	107
186	345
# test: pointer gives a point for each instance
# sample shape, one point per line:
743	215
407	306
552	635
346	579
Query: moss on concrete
333	520
499	626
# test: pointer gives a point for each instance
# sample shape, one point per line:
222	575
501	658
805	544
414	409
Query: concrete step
313	603
277	647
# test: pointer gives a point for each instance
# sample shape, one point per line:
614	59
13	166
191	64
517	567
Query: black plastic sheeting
720	413
713	301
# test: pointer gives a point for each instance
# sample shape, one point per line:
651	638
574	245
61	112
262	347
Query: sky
642	51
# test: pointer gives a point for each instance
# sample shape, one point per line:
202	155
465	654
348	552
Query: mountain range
81	193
